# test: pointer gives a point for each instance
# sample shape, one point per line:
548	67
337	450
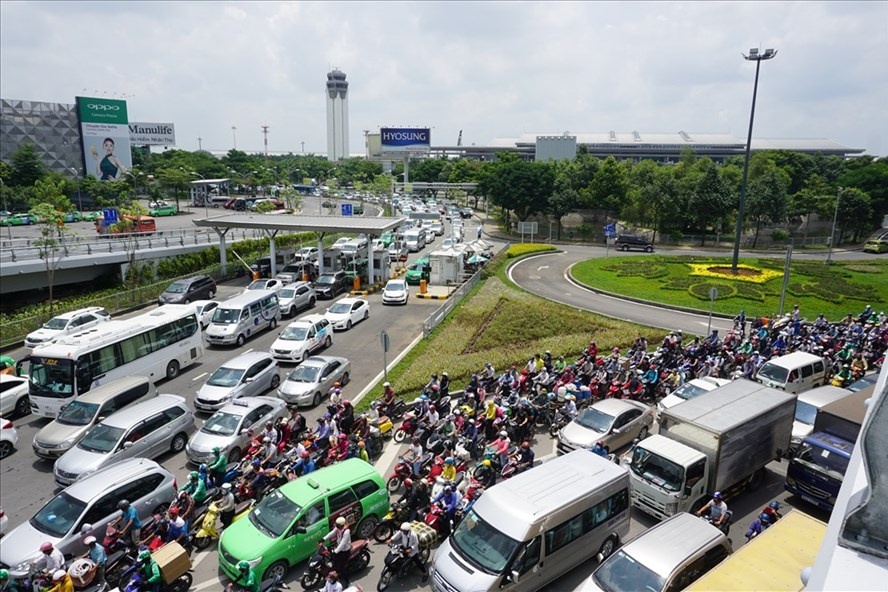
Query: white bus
157	344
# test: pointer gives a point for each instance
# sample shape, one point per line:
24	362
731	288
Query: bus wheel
172	370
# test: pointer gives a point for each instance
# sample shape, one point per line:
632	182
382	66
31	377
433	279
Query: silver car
248	375
86	508
295	297
313	378
65	324
145	430
227	428
615	421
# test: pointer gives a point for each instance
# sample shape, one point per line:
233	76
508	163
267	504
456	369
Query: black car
199	287
631	241
331	284
466	213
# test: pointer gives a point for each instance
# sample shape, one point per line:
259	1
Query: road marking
199	376
215	582
391	365
541	267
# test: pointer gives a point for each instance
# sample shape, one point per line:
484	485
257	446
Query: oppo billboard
105	137
405	139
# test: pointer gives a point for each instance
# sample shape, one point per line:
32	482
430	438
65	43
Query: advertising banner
152	134
405	139
105	137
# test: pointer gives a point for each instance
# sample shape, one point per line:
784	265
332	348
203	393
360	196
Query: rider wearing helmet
96	553
50	559
217	466
246	578
341	537
407	538
195	487
524	457
600	449
773	510
717	508
131	522
62	582
448	473
761	523
226	505
149	570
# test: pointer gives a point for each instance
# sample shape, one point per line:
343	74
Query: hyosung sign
405	139
105	137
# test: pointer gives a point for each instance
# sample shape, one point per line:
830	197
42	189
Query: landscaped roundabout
685	281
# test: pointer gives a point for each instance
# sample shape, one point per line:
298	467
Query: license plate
811	500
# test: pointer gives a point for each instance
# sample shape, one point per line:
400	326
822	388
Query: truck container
817	468
719	441
773	560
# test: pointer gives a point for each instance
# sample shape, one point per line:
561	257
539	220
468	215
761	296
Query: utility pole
199	143
832	236
234	135
265	133
303	147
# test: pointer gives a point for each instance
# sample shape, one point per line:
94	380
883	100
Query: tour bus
157	344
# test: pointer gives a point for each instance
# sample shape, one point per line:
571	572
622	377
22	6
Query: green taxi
19	220
387	238
92	216
165	210
415	271
74	216
284	528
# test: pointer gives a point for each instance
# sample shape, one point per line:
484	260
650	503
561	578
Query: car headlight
68	443
255	562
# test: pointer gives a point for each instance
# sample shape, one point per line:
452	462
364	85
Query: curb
433	296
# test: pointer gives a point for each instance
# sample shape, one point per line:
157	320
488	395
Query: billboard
105	137
152	134
405	139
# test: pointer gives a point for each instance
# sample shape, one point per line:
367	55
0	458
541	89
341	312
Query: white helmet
386	384
405	526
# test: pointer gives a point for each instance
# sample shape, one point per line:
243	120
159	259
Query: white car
8	438
437	228
346	312
14	395
690	389
309	253
301	338
395	292
205	310
4	522
340	242
65	324
265	284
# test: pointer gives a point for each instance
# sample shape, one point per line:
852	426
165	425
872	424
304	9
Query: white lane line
214	583
199	376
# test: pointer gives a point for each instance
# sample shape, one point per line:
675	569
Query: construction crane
459	139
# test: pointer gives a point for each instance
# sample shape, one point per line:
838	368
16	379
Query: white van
243	316
526	532
794	373
415	239
808	405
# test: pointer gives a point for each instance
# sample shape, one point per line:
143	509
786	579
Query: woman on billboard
109	168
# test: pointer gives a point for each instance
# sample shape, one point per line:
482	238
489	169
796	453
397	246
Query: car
264	284
65	324
310	253
263	264
19	220
625	242
437	228
877	244
418	270
395	292
74	216
300	338
466	213
297	270
615	421
227	428
187	290
14	396
247	375
343	313
91	216
4	522
397	251
205	310
278	204
448	243
328	204
340	242
387	238
690	389
163	210
865	382
8	438
313	379
85	508
353	247
331	284
294	297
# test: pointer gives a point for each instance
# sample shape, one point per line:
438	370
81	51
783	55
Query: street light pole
754	56
832	236
6	207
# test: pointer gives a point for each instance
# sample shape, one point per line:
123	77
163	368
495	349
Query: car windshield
689	391
56	324
257	285
340	308
221	424
78	413
482	545
656	469
58	516
596	420
622	572
225	316
297	333
774	372
226	377
830	462
805	413
394	287
325	279
286	293
177	288
102	438
304	374
274	514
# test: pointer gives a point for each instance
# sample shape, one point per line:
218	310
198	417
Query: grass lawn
502	324
834	290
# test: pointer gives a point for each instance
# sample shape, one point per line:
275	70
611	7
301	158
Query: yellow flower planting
745	273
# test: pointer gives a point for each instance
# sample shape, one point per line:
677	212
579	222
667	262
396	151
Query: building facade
337	115
52	128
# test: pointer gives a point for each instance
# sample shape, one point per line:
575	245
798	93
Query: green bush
779	235
526	248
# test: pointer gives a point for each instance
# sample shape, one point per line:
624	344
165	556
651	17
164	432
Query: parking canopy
371	226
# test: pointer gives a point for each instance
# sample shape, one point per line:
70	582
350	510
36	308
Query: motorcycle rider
414	455
341	535
758	525
417	498
196	488
362	451
524	457
246	577
217	466
346	417
470	432
485	474
444	385
270	433
599	449
500	447
331	584
431	416
448	473
303	466
226	505
131	523
6	584
717	508
150	570
773	510
388	399
62	582
859	366
570	407
186	504
449	500
410	543
178	530
50	559
433	382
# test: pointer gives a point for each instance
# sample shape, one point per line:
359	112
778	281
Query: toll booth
381	266
446	266
333	260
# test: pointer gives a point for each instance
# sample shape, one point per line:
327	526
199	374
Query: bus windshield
51	377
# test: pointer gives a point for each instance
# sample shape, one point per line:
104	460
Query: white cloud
490	69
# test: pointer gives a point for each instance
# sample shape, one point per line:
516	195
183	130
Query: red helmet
174	511
408	483
435	387
305	454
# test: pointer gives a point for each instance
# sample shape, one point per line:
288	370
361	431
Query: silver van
415	239
243	316
526	532
87	507
794	373
146	430
80	415
669	556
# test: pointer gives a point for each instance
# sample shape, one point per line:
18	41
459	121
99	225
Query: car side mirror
249	379
127	445
514	576
299	530
687	490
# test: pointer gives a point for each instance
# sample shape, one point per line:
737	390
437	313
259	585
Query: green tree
609	187
26	167
653	198
710	200
125	231
564	197
51	192
855	210
766	201
175	180
806	201
870	175
50	244
520	186
263	207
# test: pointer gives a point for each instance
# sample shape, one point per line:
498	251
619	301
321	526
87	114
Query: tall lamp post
832	236
6	207
758	58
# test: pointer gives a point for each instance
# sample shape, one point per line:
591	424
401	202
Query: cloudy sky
489	69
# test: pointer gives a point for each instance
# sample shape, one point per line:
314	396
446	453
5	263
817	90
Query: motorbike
396	563
389	524
273	585
207	532
725	526
560	420
407	427
404	470
436	517
321	563
133	581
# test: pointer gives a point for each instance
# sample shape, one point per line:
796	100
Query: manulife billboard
105	137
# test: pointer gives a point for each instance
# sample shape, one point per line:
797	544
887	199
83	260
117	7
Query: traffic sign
347	209
109	216
609	228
